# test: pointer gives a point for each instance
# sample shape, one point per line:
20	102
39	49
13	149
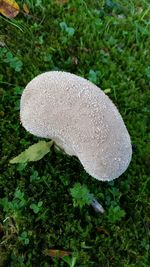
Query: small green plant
69	30
92	76
34	177
81	195
71	261
14	62
18	202
24	238
115	214
36	207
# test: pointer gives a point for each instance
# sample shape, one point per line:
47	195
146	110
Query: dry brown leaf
26	8
102	230
9	8
61	2
56	253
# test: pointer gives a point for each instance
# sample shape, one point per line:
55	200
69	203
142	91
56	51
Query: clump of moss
113	42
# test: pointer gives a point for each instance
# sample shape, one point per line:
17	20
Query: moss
112	41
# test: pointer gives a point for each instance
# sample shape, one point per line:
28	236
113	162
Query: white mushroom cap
81	119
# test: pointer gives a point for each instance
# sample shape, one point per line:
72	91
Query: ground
108	43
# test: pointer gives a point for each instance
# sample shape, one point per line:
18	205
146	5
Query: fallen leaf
102	230
33	153
26	8
56	253
9	8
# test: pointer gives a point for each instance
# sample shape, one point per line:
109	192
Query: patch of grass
108	43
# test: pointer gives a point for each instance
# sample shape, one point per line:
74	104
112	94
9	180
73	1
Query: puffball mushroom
80	119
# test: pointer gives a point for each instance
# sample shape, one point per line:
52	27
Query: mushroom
80	119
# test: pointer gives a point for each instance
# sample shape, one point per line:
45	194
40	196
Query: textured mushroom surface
81	119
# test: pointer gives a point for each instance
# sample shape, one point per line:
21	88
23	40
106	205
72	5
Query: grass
108	43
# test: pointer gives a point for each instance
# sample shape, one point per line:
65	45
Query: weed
69	30
13	62
24	238
81	195
36	207
71	261
115	214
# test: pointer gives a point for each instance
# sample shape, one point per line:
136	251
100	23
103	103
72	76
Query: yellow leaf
26	8
56	253
33	153
9	8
